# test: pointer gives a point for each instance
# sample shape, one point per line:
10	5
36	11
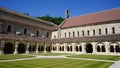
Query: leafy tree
55	20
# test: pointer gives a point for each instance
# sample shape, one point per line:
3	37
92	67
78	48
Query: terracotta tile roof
98	17
88	39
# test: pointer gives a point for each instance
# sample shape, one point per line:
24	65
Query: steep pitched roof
98	17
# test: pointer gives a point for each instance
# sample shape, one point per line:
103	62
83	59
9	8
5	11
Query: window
47	34
99	31
9	28
78	34
25	31
73	34
69	34
65	35
106	30
37	33
82	33
88	32
113	30
93	32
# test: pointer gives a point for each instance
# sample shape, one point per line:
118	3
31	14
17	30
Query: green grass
55	63
104	57
52	54
12	56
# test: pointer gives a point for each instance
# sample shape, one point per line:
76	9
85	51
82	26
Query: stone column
83	47
27	49
107	47
94	47
2	47
16	47
65	48
37	46
45	48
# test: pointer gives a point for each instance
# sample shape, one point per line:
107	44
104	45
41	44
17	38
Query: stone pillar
94	47
45	48
37	46
65	49
2	47
16	47
27	49
107	47
83	47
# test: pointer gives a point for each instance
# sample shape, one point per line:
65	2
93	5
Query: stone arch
21	48
111	48
48	48
98	48
89	48
67	48
9	48
77	48
117	48
103	49
62	48
70	48
80	48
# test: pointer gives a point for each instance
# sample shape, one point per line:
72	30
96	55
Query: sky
56	8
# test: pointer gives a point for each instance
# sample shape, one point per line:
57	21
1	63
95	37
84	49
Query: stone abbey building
95	33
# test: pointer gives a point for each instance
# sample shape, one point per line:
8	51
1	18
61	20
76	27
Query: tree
55	20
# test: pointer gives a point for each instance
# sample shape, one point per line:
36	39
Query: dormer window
9	28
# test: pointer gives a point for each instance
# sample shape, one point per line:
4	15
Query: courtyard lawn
12	56
53	54
103	57
55	63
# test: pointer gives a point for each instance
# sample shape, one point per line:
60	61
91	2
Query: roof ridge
96	12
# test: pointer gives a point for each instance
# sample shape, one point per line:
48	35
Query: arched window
93	32
37	33
98	48
78	33
80	47
106	30
9	28
47	34
73	34
88	32
76	48
25	31
99	31
117	48
70	48
65	35
111	48
103	48
113	30
82	33
69	34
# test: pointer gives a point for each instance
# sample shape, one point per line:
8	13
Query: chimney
67	13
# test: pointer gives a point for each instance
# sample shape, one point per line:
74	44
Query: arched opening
103	48
39	48
117	48
89	48
30	48
9	28
8	48
42	48
62	48
77	48
34	48
80	48
111	48
98	48
48	48
70	48
21	48
67	48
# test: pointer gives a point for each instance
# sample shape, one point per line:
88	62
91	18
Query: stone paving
115	65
